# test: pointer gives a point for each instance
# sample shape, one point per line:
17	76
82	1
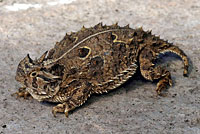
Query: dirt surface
34	27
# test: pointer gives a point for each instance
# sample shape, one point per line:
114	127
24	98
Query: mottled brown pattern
94	60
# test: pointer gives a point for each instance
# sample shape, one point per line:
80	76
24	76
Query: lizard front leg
78	98
22	93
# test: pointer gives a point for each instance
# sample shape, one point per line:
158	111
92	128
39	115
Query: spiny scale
94	60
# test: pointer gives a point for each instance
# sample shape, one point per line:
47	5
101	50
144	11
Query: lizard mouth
42	95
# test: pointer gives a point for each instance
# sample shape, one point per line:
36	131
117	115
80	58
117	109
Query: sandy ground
34	27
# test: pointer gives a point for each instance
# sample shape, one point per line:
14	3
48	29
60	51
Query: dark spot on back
96	62
83	52
113	37
57	70
73	71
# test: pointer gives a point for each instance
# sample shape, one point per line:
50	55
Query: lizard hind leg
151	72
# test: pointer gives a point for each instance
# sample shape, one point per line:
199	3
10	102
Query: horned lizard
94	60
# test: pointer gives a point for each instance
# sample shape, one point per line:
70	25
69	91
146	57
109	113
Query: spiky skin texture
94	60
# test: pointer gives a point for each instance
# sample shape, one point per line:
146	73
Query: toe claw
61	108
21	93
162	85
54	112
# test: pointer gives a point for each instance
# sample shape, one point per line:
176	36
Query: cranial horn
41	59
29	58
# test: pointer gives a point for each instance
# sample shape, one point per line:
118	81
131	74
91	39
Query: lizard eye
33	74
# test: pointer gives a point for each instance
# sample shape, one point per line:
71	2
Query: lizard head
40	80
